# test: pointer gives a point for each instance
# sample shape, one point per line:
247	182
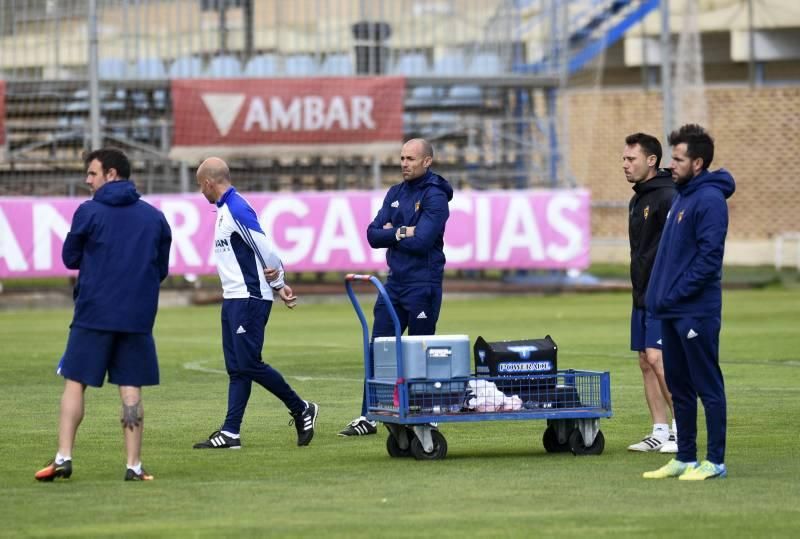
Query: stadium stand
185	67
150	68
261	65
224	66
337	64
300	65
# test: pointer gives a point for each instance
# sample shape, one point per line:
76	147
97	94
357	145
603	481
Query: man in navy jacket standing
120	245
685	293
410	224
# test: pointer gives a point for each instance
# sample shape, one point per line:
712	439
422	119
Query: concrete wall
757	138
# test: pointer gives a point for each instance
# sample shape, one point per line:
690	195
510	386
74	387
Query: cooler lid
432	339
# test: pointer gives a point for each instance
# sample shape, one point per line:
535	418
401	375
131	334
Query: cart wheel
393	448
550	441
439	447
577	446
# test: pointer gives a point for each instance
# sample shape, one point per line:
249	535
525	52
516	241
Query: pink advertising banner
2	119
533	229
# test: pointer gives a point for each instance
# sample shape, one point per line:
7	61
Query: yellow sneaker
673	468
706	470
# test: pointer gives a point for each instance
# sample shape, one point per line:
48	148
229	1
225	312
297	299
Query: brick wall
757	138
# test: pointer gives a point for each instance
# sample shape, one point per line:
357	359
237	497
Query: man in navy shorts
120	245
647	212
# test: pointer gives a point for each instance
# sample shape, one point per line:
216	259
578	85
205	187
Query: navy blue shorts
417	307
128	358
645	331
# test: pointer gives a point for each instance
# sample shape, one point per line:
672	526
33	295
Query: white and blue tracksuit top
242	250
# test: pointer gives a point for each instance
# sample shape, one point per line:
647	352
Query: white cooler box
427	357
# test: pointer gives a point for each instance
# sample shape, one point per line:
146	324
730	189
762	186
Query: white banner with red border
279	117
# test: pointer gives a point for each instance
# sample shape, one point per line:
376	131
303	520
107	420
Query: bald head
424	147
415	158
215	169
214	178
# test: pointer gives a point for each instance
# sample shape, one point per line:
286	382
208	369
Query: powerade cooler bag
511	363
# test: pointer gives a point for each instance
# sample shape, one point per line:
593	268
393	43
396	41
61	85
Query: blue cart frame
411	413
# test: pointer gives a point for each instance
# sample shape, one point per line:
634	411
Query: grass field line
198	366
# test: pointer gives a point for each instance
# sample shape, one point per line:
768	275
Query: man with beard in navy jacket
685	293
120	245
410	224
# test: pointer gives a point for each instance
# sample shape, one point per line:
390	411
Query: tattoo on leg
132	415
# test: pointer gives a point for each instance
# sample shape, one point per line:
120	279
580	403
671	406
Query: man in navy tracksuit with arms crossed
410	224
685	293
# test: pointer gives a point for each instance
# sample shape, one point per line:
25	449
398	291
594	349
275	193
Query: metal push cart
571	401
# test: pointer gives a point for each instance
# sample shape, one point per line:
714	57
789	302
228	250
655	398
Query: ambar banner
273	117
533	229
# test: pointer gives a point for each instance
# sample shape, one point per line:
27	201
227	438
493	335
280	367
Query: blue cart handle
348	280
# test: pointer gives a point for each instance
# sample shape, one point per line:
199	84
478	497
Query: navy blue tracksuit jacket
422	203
116	289
685	293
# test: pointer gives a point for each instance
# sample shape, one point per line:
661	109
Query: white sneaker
648	444
671	445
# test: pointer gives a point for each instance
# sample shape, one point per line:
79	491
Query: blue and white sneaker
706	470
674	468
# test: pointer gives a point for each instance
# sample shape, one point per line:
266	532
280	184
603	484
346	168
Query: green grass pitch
497	480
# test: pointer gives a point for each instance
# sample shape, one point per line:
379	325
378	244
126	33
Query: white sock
136	469
230	434
661	431
61	459
674	427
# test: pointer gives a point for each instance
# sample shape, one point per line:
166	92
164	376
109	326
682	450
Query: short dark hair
111	158
699	143
648	143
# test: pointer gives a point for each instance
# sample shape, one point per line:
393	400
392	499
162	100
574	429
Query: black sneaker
130	475
53	470
218	440
360	426
305	423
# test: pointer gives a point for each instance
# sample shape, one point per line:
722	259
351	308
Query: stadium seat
423	96
450	64
485	63
416	64
150	68
112	68
261	65
337	65
482	65
186	67
411	64
300	65
224	66
463	95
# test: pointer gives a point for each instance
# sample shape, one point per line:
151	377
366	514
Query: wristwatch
401	233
